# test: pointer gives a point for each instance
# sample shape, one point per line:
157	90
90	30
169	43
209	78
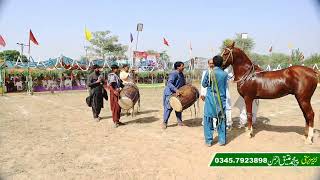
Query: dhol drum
129	95
189	95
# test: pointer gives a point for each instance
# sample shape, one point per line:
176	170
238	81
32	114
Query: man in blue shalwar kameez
212	105
175	81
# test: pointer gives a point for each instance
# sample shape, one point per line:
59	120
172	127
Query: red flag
165	42
32	38
270	49
2	42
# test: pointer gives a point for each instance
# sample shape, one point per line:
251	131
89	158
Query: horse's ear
232	45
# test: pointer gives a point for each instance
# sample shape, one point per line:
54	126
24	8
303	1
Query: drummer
175	81
115	87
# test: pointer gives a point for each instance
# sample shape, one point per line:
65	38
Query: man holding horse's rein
215	80
203	93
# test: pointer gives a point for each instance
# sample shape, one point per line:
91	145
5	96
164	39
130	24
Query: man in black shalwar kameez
97	92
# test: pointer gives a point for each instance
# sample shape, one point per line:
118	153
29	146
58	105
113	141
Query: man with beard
96	92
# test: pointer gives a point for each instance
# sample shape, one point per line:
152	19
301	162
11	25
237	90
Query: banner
145	55
266	160
147	61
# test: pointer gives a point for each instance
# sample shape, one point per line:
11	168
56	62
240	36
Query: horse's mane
256	67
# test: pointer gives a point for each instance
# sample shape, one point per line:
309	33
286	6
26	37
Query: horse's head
235	56
228	55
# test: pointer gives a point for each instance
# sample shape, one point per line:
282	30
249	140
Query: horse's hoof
308	141
304	138
250	132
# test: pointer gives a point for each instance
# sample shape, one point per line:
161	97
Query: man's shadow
147	111
106	117
124	114
262	124
194	122
149	119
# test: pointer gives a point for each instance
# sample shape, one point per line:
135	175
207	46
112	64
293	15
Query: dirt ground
53	136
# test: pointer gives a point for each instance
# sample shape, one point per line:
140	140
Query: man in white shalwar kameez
241	105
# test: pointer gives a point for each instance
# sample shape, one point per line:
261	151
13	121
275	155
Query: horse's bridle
229	55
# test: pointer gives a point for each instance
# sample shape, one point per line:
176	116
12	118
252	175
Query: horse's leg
308	114
138	108
248	101
132	112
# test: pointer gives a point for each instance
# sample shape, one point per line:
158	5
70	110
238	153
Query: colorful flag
2	42
87	34
165	42
32	38
270	49
131	37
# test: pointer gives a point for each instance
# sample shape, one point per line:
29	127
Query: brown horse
254	83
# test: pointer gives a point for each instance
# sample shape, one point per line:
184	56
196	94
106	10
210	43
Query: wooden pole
1	80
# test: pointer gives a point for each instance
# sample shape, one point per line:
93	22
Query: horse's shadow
262	124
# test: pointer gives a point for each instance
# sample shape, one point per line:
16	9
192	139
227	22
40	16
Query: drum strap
220	118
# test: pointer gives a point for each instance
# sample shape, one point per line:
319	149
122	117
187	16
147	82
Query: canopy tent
64	62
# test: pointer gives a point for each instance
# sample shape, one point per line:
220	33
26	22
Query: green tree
313	59
12	55
151	51
225	43
274	59
260	59
296	57
279	58
164	56
246	45
104	44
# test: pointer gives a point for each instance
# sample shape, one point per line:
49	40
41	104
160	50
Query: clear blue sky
59	24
